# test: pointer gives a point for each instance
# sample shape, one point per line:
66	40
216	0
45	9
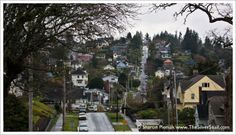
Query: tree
136	41
186	116
122	79
129	36
96	83
30	28
15	114
147	38
215	11
207	43
191	41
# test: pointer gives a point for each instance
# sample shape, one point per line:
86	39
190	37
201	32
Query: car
82	113
82	110
83	127
82	117
93	108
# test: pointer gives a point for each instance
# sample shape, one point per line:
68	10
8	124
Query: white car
93	108
83	127
82	117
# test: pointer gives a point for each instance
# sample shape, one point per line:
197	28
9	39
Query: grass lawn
53	122
121	128
71	122
182	58
41	110
112	117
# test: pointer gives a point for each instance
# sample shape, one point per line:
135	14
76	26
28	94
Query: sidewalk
58	125
130	123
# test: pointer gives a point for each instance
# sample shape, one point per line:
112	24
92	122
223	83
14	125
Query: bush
15	114
147	114
136	83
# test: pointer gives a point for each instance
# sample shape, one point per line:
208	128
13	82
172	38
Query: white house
109	67
80	78
160	73
75	65
110	79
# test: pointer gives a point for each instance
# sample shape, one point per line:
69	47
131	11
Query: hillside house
199	89
79	78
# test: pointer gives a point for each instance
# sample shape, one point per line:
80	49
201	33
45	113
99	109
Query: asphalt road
98	122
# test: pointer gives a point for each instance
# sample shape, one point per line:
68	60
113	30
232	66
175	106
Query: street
98	122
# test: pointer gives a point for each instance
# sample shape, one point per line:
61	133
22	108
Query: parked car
93	108
82	110
83	127
82	117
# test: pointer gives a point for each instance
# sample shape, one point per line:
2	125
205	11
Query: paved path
131	124
99	122
58	125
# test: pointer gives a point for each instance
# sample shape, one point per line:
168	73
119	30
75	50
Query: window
192	96
82	76
205	84
79	81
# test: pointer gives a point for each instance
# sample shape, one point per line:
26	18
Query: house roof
108	66
168	61
185	84
121	64
79	72
202	111
218	79
109	77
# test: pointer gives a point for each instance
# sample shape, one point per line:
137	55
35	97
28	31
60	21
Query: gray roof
78	72
185	84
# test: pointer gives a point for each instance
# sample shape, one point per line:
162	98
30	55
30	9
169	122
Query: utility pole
117	107
64	97
30	97
176	111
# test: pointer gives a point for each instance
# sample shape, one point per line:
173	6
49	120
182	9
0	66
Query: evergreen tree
129	36
191	41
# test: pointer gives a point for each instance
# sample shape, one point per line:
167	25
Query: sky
155	22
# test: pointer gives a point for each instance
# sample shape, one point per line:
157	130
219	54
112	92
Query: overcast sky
153	23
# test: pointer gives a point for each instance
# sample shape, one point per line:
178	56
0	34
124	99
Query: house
101	56
121	65
79	78
165	51
198	89
111	79
109	59
85	57
75	65
160	74
16	87
109	67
